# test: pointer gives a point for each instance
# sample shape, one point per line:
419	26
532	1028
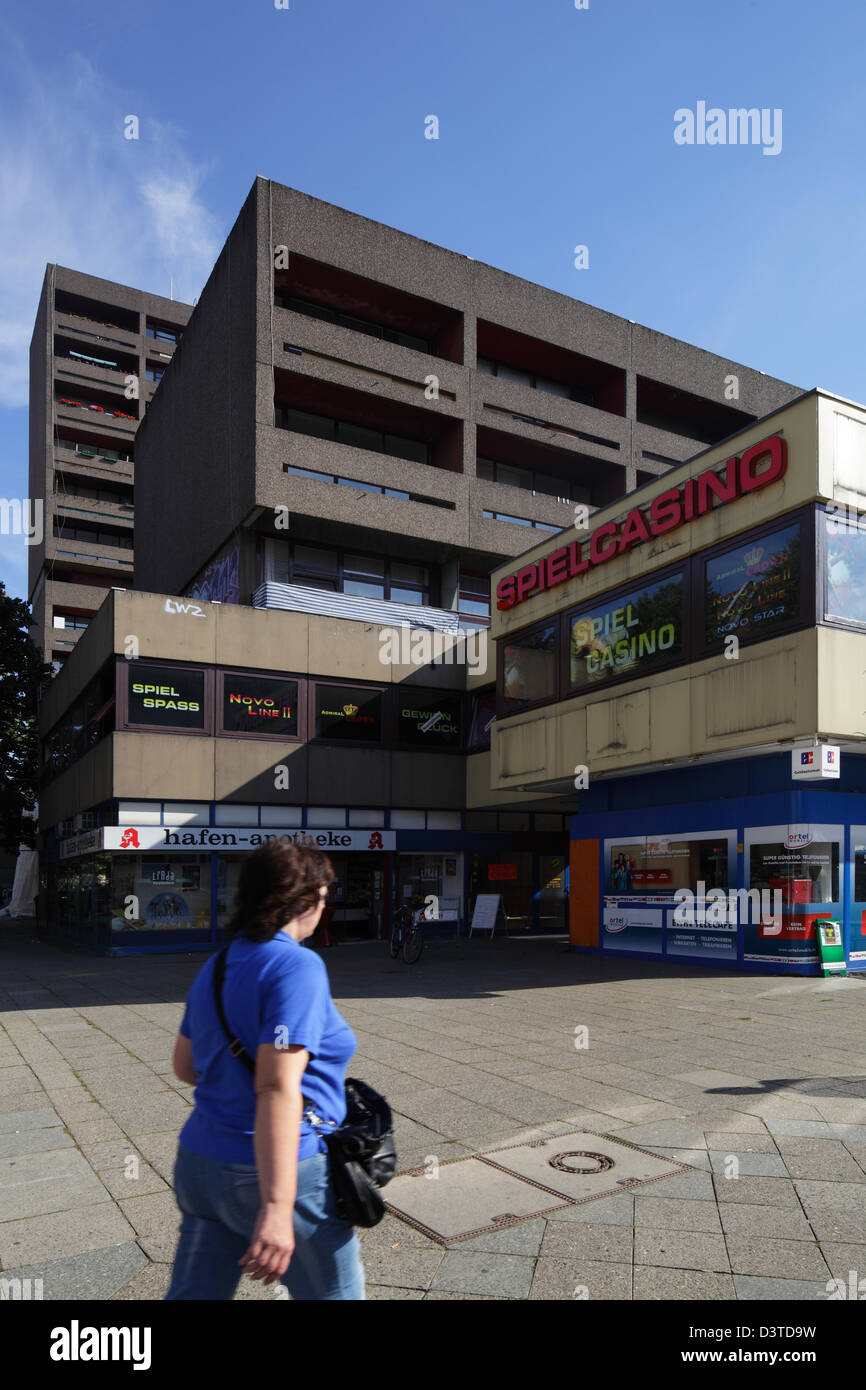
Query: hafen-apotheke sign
187	838
667	512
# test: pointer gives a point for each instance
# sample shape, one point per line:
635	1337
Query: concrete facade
81	459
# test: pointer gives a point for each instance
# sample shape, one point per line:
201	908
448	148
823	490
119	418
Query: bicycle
406	935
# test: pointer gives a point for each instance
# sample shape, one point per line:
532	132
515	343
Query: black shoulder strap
236	1047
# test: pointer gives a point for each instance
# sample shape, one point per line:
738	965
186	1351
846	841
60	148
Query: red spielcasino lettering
760	465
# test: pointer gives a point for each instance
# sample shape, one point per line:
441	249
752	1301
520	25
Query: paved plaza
757	1083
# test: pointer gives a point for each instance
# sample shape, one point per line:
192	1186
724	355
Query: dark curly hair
279	881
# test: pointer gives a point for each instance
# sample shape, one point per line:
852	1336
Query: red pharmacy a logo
129	840
376	841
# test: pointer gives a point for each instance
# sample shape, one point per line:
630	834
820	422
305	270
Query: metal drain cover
505	1186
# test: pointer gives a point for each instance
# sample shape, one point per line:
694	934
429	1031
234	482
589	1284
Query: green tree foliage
23	675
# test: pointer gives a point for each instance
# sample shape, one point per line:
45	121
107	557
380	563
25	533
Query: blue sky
555	129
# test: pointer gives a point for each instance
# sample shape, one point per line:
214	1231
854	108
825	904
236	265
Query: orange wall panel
585	866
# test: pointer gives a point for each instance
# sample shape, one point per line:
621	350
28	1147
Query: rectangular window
161	697
483	718
260	705
755	588
348	713
529	667
628	635
845	582
429	719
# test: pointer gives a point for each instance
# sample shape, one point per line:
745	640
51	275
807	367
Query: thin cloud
76	192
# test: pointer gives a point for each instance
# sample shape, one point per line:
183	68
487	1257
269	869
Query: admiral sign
759	466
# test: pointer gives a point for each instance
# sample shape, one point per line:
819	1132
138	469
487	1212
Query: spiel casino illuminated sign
667	512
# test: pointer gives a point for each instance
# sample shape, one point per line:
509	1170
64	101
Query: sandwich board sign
484	917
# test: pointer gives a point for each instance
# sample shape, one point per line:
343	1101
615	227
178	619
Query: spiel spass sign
667	512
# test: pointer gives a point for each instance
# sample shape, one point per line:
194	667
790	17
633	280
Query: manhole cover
602	1162
503	1187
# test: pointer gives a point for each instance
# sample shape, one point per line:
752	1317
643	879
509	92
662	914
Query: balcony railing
298	599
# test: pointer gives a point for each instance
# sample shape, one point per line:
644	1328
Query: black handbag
361	1154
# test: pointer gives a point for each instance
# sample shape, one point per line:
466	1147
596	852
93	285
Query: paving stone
524	1239
407	1267
54	1180
121	1187
830	1167
39	1118
161	1248
93	1274
662	1283
748	1164
752	1288
690	1187
680	1214
843	1258
782	1223
155	1215
568	1240
672	1133
797	1259
680	1249
608	1211
803	1129
580	1280
770	1192
94	1131
834	1225
833	1196
730	1141
510	1276
28	1141
440	1296
148	1285
62	1233
695	1158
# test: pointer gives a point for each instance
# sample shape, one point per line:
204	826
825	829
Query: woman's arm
182	1060
277	1136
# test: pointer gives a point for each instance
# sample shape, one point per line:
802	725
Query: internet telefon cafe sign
671	509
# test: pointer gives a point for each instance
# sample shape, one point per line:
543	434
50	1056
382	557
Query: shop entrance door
357	895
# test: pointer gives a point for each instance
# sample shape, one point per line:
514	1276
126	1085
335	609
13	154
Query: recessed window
529	667
348	714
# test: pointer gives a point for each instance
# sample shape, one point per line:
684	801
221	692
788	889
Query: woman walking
251	1177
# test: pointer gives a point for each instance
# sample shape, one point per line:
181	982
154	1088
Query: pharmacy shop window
176	699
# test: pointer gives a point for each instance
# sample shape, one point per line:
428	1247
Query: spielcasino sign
667	512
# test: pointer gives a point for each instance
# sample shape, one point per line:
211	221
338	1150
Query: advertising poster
259	705
857	915
429	720
796	868
160	695
755	587
642	877
353	715
628	636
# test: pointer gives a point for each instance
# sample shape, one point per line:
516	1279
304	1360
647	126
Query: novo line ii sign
759	466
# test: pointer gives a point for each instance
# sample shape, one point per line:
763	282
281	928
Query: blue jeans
219	1203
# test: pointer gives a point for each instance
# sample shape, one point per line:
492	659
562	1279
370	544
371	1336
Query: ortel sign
666	512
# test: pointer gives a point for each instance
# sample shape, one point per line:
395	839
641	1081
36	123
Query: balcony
297	598
367	307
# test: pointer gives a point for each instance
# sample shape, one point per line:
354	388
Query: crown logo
752	557
350	709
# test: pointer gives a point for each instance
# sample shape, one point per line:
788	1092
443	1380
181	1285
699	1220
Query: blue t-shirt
274	992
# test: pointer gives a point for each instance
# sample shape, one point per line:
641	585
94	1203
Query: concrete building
97	354
686	670
355	430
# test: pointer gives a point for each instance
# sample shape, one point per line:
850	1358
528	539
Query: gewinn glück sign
666	512
190	838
